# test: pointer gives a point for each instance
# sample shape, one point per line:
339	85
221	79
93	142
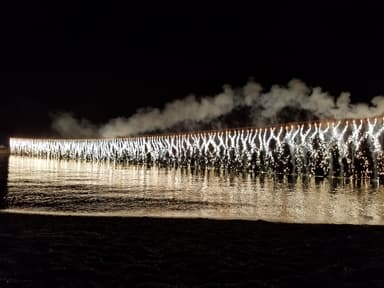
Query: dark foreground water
31	185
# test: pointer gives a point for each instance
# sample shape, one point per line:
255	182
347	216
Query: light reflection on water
68	187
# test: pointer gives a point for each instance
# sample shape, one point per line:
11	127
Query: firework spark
349	148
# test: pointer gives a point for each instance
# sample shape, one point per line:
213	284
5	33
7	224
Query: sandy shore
62	251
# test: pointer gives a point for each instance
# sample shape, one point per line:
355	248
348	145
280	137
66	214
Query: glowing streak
340	148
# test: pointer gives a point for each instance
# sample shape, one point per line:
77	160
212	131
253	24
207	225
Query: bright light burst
349	148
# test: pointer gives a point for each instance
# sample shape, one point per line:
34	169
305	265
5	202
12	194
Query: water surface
31	185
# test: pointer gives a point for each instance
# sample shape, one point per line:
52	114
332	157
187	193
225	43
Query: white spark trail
350	148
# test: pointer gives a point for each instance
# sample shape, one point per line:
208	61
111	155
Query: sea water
31	185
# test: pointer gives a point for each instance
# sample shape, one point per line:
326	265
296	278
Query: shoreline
45	250
118	215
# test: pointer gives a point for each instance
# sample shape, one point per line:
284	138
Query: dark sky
100	60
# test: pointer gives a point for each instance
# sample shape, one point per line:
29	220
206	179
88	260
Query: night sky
100	60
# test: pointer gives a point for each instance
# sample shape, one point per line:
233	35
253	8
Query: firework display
346	148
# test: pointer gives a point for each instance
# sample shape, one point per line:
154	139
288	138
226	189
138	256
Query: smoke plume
68	126
261	107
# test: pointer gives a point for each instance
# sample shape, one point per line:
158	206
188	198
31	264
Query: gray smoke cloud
68	126
264	106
